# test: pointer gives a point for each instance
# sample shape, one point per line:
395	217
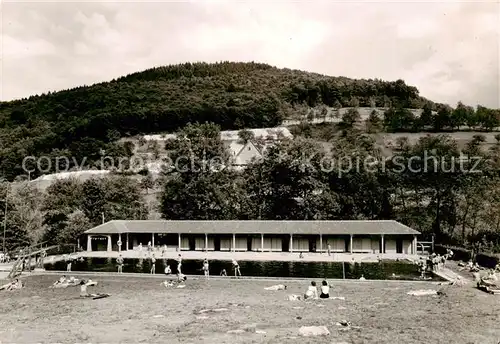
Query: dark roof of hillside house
360	227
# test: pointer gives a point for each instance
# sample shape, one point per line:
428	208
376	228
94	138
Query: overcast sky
449	50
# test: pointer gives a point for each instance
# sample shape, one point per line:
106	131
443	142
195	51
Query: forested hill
82	121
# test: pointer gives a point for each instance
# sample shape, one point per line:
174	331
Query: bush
487	260
459	253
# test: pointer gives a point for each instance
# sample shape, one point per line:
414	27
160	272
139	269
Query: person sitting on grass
167	284
14	285
65	282
83	289
325	290
311	292
168	270
181	278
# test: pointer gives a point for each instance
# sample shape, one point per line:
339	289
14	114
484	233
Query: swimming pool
402	270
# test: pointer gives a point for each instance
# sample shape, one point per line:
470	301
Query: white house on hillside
242	153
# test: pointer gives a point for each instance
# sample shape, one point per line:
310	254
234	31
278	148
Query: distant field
142	311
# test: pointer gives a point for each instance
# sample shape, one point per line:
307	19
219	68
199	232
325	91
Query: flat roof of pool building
355	227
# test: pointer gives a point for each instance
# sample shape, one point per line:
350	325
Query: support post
291	243
234	242
350	244
153	241
179	242
110	248
320	243
382	248
262	243
126	249
414	245
89	243
206	242
119	242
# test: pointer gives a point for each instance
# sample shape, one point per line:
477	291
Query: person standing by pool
179	264
43	254
205	268
236	268
153	264
119	261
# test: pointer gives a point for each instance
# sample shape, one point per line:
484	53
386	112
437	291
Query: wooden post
179	242
126	249
414	244
110	247
234	242
206	242
343	270
89	243
382	244
29	259
291	243
350	244
262	243
320	243
153	241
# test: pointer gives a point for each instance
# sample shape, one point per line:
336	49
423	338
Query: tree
288	183
24	222
324	112
76	224
443	118
374	122
349	119
93	200
426	118
147	182
488	118
245	136
460	115
199	186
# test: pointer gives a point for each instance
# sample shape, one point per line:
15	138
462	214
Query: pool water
331	270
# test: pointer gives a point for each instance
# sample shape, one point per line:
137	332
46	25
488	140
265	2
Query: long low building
384	236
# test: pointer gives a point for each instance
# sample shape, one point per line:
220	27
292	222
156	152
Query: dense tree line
60	214
87	120
431	186
444	119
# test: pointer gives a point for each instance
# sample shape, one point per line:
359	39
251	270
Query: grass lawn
142	311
